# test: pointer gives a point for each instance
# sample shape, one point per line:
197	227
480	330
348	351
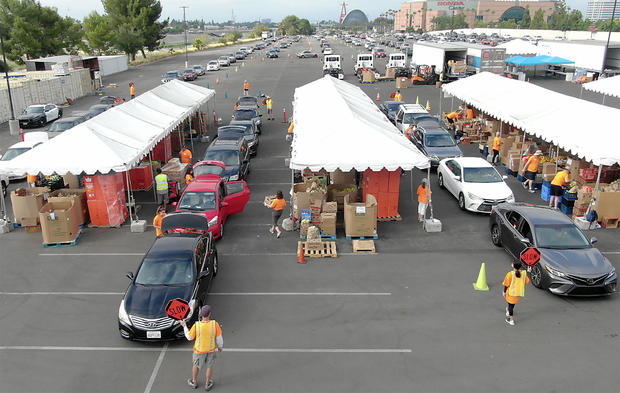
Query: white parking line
210	294
610	252
160	359
187	349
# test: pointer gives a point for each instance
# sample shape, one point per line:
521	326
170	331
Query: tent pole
3	206
191	136
596	187
452	104
581	91
291	195
557	156
154	187
128	194
180	135
430	193
411	181
441	99
603	99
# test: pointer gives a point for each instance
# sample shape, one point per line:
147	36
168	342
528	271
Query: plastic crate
545	192
520	178
546	183
569	196
565	209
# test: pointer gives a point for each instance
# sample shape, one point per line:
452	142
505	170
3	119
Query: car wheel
440	181
496	236
462	201
42	123
215	265
536	276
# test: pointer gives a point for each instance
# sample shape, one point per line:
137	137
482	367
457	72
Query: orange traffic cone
217	81
302	258
378	96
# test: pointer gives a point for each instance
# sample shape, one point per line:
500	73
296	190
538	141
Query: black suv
178	265
234	153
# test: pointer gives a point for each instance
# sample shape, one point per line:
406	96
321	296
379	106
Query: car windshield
248	100
560	236
223	57
481	175
34	109
439	140
96	111
12	153
228	157
213	62
208	170
170	75
188	71
244	114
197	67
198	201
409	118
61	126
171	270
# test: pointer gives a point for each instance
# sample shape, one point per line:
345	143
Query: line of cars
183	262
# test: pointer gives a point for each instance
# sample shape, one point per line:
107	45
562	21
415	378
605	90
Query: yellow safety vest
398	97
517	285
205	337
269	104
161	182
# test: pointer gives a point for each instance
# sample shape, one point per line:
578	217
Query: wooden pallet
29	229
61	244
390	218
328	250
349	238
323	237
364	246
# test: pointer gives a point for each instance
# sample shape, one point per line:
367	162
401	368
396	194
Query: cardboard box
26	204
368	76
77	196
72	181
360	219
340	177
303	199
337	193
315	210
548	168
175	171
328	223
330	207
303	227
608	205
402	82
390	73
59	222
268	200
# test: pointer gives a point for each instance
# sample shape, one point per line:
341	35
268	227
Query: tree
258	30
480	24
604	25
100	33
559	18
31	30
232	36
448	22
527	19
538	22
198	44
292	25
304	27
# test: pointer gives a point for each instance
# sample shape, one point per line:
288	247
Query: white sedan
474	182
213	65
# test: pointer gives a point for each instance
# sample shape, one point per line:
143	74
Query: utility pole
185	32
611	27
13	124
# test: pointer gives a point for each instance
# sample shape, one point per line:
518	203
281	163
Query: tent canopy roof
116	139
337	126
537	60
605	86
579	127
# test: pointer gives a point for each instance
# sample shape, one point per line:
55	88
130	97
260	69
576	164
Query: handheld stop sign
177	309
530	256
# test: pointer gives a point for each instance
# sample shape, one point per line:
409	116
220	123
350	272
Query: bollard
21	133
284	112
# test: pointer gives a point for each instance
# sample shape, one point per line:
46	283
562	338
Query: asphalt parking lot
403	320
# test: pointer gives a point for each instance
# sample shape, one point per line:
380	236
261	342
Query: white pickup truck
332	65
365	60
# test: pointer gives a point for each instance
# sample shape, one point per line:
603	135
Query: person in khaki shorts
208	336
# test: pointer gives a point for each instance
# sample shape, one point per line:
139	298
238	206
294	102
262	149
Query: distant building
355	17
420	14
265	21
601	10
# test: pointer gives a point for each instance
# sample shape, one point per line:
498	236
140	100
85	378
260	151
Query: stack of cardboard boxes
26	204
77	197
360	219
402	82
175	170
60	221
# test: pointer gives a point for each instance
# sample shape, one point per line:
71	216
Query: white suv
406	115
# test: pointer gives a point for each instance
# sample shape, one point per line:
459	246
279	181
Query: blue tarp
537	60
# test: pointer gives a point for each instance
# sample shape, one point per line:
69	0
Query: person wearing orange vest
159	217
132	90
497	144
31	180
514	289
470	113
531	169
398	96
409	132
246	87
208	336
560	179
189	176
423	199
186	155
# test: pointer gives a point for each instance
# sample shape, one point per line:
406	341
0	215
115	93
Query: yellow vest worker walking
161	188
514	289
208	336
269	103
497	144
398	96
132	90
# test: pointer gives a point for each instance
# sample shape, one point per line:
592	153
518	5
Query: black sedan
389	108
569	265
272	54
178	265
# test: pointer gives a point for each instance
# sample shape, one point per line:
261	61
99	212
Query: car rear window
244	114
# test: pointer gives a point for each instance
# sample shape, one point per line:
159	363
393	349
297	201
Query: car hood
149	301
489	190
441	152
583	262
29	116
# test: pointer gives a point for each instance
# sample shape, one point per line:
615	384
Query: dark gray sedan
389	108
569	265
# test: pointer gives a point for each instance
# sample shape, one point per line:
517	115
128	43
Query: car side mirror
204	273
223	204
504	177
129	275
174	204
594	240
524	240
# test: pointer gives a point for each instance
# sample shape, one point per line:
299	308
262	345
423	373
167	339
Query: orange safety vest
132	91
290	128
246	86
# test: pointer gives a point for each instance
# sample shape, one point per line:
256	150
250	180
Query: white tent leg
129	196
154	185
3	206
596	187
557	157
603	99
411	182
180	135
191	136
452	104
440	100
430	194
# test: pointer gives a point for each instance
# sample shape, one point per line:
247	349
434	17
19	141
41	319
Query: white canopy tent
117	139
605	86
337	126
519	47
579	127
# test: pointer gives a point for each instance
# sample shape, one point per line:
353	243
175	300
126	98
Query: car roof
21	145
472	162
37	105
430	127
246	108
415	108
240	123
69	119
174	244
99	106
226	144
538	215
210	183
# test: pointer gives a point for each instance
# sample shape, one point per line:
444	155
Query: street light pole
611	27
185	32
13	124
